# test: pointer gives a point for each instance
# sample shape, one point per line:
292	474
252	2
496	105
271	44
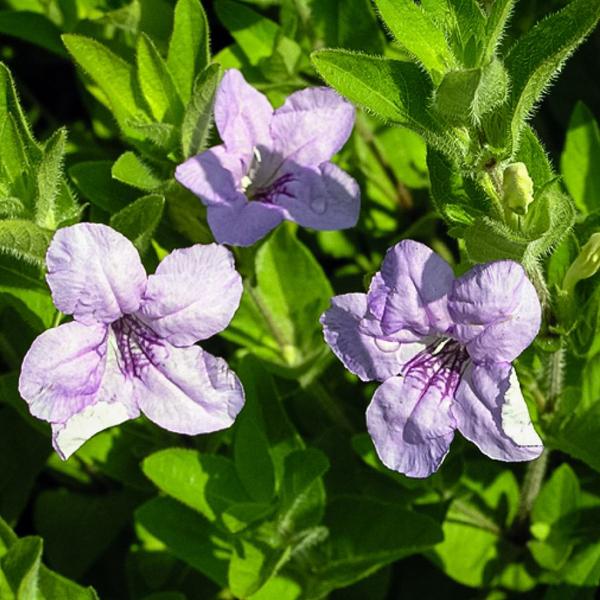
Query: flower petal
411	292
193	294
365	355
411	424
71	378
190	391
496	311
68	437
311	126
242	223
95	273
490	411
323	198
63	370
213	176
242	115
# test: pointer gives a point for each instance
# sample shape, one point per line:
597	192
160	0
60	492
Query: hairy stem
534	477
555	378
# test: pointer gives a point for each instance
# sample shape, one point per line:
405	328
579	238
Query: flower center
441	364
139	347
261	183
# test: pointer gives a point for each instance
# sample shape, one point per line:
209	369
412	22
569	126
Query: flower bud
585	265
517	188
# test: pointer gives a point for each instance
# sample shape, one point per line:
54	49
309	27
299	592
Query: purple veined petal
312	125
190	392
419	281
94	273
496	311
411	424
63	370
242	223
490	412
365	355
193	294
242	114
71	377
214	176
325	198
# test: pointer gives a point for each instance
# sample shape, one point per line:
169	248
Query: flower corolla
274	165
130	347
443	347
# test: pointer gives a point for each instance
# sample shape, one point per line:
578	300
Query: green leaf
580	158
15	160
253	562
24	561
414	30
139	220
532	153
25	240
21	566
9	105
468	35
188	50
156	83
112	74
554	518
24	453
558	497
79	527
130	169
302	491
459	200
49	179
498	17
33	28
95	182
577	434
348	24
253	461
198	113
548	221
465	96
188	535
393	90
25	285
278	318
364	535
255	34
537	56
265	404
206	483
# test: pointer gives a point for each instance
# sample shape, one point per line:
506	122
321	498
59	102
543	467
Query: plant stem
534	477
555	378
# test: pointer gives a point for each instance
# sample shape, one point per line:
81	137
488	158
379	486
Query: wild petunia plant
428	115
274	166
130	348
442	347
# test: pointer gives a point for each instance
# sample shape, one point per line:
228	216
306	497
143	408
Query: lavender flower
274	165
130	348
442	347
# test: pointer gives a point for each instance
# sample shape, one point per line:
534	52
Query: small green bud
585	265
517	188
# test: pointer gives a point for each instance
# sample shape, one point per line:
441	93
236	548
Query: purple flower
274	165
131	346
442	347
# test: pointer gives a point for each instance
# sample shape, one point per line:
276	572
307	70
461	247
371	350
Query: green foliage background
101	99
